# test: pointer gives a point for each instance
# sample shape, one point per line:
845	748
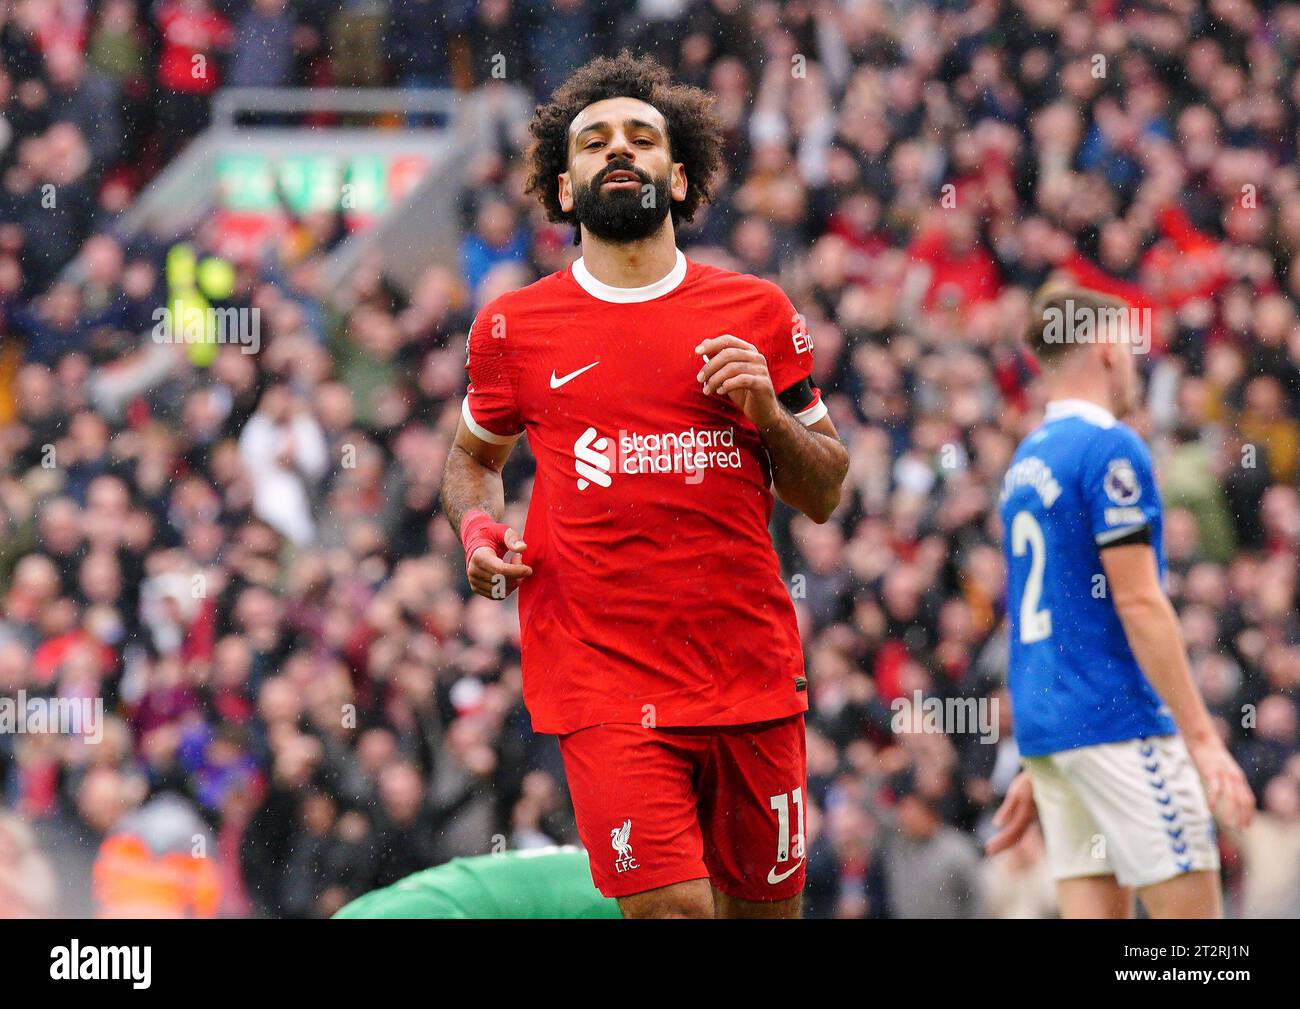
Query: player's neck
1063	388
631	264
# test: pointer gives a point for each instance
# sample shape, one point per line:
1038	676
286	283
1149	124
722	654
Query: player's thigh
634	800
690	899
1094	897
1076	846
753	810
1187	895
732	907
1148	801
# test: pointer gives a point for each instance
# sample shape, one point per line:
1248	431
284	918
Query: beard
622	215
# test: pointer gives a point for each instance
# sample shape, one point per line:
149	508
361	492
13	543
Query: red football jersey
656	594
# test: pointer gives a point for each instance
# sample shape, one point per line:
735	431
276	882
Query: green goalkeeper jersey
533	883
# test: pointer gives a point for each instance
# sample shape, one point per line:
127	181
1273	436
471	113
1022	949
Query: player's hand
737	369
1014	816
1225	784
493	576
488	546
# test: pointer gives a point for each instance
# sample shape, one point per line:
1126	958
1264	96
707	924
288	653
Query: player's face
621	178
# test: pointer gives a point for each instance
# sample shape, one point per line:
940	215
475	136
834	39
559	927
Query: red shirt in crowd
957	279
188	31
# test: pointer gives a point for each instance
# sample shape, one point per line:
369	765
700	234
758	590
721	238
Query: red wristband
479	529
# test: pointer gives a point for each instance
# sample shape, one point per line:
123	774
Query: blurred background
238	547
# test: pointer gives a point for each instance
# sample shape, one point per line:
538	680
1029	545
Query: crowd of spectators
245	558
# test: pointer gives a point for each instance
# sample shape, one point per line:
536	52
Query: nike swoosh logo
773	878
557	382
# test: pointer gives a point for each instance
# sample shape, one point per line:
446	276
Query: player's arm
809	462
474	500
1154	635
473	497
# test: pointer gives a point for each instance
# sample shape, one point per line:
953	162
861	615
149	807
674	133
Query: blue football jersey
1080	481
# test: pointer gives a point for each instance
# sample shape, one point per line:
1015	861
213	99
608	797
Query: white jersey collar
1091	412
629	295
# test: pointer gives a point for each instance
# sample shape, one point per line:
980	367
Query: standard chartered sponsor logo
590	461
690	452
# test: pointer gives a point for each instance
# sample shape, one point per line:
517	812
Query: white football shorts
1134	810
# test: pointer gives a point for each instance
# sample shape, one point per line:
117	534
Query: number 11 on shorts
781	803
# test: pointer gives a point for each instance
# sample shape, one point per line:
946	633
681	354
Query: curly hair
694	130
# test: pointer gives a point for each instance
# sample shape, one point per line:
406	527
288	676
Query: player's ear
678	183
1105	351
565	191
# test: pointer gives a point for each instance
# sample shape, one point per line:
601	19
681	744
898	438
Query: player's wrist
767	416
479	529
1202	736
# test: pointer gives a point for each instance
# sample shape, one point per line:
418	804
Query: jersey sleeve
790	360
1119	489
491	405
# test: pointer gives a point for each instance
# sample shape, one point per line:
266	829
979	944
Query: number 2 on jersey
1027	534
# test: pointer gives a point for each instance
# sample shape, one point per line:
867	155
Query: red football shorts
661	806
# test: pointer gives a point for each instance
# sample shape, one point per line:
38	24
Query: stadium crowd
245	557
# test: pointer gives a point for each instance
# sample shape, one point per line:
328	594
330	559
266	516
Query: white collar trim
629	295
1091	412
